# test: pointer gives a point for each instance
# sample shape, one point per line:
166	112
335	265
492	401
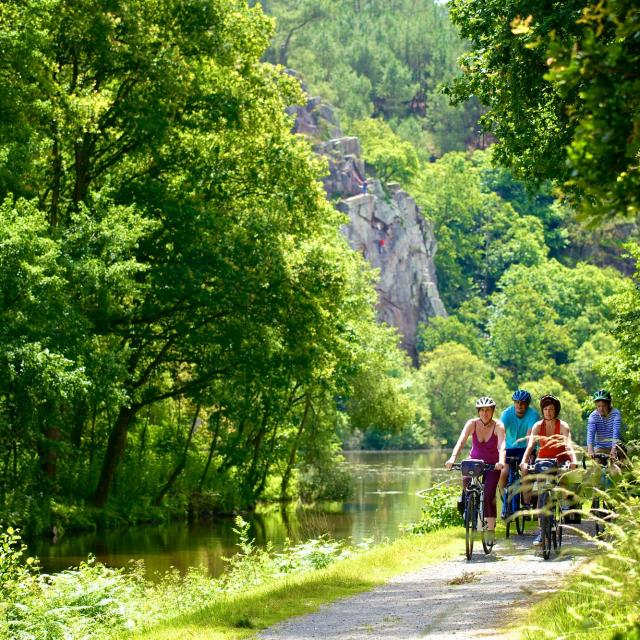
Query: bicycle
512	499
600	512
551	515
474	504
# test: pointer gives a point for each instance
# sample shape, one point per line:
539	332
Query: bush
94	601
324	483
440	510
78	603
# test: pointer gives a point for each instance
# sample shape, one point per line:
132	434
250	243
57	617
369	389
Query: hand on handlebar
450	462
499	466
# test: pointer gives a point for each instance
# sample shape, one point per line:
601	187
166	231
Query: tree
183	251
369	59
561	98
479	234
453	378
439	330
392	159
621	368
541	315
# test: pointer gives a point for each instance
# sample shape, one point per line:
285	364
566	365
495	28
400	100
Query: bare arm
531	442
464	436
566	432
501	433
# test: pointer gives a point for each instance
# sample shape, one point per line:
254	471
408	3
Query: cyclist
553	437
603	427
487	438
518	419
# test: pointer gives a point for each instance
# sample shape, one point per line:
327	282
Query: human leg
491	479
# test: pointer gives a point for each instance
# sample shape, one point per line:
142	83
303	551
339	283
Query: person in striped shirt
603	426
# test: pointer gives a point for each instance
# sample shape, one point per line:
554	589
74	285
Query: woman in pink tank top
488	445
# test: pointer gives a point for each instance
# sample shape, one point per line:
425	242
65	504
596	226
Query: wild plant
439	509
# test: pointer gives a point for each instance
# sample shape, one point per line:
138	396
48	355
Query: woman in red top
553	437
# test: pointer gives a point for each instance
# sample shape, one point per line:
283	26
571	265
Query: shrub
94	601
439	511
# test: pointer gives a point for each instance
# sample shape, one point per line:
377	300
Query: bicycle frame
474	504
551	519
599	508
512	498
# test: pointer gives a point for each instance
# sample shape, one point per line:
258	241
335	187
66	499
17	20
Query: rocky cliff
386	226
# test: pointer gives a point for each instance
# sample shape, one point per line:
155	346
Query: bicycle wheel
507	510
487	543
559	525
598	516
546	525
469	524
517	517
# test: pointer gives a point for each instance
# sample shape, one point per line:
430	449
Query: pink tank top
487	451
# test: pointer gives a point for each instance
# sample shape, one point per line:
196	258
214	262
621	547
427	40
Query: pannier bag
472	468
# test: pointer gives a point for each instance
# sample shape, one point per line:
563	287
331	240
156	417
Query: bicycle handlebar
565	466
602	458
456	466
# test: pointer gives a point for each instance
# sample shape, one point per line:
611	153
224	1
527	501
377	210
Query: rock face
386	226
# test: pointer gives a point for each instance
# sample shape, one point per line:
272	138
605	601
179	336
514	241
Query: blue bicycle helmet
520	395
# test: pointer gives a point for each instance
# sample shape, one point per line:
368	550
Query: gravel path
453	599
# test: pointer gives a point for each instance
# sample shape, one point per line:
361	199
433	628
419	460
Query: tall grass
603	601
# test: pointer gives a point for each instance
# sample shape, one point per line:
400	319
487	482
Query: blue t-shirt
517	428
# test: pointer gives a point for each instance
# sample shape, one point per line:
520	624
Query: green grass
236	616
601	602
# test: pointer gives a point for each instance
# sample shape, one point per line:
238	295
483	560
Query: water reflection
385	495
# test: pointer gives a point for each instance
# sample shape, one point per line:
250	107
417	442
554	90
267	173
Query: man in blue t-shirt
518	420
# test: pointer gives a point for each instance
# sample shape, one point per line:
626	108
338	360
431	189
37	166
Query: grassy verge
598	603
236	616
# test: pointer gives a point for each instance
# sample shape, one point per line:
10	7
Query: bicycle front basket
545	465
472	468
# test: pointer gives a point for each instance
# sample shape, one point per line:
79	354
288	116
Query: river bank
383	496
243	614
416	587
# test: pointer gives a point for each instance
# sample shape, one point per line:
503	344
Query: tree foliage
392	159
562	99
370	59
479	234
453	378
179	308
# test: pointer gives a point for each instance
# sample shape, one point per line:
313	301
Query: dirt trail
453	599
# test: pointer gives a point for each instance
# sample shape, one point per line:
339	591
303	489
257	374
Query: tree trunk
267	465
49	452
212	448
79	419
252	476
115	450
286	476
181	464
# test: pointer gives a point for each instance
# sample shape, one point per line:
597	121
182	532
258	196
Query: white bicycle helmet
485	401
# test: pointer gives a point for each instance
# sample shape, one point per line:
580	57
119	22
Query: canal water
385	496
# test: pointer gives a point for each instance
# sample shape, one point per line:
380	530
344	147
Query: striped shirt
603	432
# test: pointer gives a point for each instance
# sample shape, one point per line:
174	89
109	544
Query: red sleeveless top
554	445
